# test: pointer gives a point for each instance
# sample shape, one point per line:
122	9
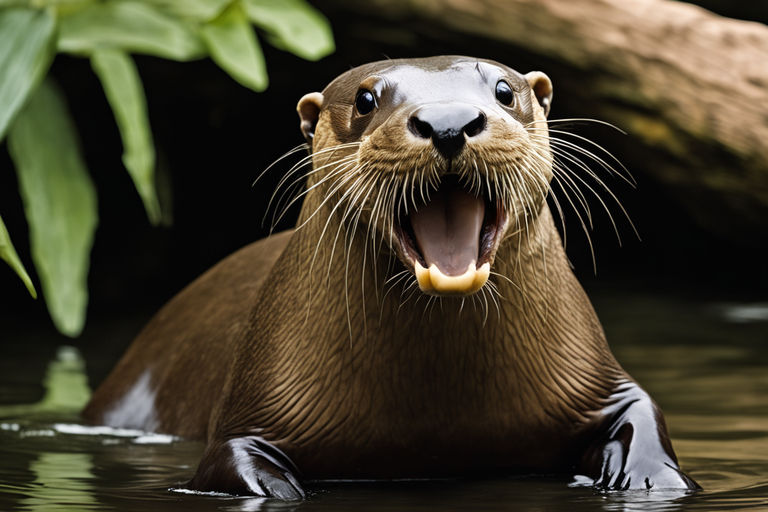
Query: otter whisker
569	184
572	186
521	188
304	146
393	281
430	302
421	188
355	191
359	212
520	288
343	224
556	177
340	202
403	276
397	277
340	170
493	293
370	236
330	194
302	162
413	284
487	308
418	299
628	178
566	172
279	188
487	182
576	120
305	162
335	187
378	213
297	183
384	210
507	279
541	183
602	184
559	209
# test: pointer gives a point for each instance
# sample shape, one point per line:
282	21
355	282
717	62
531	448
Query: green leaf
122	85
59	201
199	10
233	46
293	25
8	254
26	51
131	26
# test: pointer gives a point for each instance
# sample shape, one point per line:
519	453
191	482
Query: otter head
439	158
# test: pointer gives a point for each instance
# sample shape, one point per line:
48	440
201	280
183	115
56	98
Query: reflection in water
745	312
707	371
66	387
637	501
259	505
63	481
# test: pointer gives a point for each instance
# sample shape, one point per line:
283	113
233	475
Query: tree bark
690	85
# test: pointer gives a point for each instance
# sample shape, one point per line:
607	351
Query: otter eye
504	93
365	102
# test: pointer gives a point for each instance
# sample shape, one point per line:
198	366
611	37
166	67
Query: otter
421	320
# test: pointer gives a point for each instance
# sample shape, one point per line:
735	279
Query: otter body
422	320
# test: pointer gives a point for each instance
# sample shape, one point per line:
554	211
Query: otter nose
446	125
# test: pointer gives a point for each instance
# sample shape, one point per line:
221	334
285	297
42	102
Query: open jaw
450	241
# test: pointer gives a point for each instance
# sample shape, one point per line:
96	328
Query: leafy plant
59	199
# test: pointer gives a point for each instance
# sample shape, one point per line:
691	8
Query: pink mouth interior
447	228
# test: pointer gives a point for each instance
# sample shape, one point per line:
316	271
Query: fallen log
691	86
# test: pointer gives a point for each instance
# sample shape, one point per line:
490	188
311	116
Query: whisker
574	120
300	147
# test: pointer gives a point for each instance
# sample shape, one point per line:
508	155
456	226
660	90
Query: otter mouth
450	240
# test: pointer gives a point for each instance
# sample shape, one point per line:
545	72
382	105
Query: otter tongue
448	227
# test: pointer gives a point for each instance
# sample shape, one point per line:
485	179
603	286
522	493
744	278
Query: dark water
705	362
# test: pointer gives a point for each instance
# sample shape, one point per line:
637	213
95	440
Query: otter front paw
635	451
247	466
623	470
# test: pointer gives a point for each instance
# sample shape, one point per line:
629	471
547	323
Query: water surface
704	361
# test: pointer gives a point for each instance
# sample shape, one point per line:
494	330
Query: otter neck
385	362
525	325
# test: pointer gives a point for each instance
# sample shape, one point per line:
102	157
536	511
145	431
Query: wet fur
312	341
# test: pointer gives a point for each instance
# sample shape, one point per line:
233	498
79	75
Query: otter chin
425	178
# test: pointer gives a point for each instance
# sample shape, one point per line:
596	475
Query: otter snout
448	125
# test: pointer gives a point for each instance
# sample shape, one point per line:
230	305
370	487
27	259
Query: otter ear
541	86
309	110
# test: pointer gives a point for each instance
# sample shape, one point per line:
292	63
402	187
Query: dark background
214	137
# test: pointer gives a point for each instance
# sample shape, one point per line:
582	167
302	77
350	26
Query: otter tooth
481	276
432	280
422	276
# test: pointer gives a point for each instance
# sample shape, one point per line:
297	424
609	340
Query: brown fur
190	340
414	382
293	339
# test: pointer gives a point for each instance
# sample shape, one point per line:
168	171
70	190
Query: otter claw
247	466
